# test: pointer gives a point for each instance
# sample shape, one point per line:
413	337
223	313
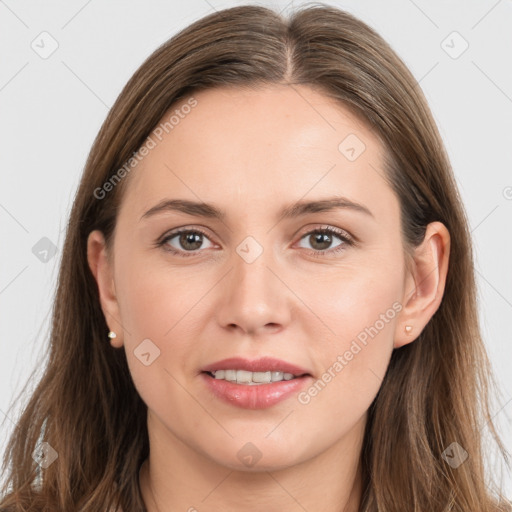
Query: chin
256	457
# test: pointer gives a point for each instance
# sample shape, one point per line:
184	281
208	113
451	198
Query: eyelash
347	241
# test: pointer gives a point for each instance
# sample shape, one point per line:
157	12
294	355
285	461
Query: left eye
323	238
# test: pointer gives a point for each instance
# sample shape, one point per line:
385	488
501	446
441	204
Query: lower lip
259	396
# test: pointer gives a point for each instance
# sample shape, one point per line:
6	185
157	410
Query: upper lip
264	364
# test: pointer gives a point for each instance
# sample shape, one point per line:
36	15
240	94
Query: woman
267	294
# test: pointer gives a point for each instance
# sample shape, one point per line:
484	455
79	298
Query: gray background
52	107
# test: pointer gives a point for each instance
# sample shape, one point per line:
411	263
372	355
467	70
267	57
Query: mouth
262	370
256	384
249	378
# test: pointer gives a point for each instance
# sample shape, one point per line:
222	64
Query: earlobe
424	287
102	271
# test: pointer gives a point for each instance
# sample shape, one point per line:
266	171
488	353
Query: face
320	289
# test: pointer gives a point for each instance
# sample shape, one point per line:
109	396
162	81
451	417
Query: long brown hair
436	389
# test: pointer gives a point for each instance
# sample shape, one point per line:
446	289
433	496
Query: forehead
238	147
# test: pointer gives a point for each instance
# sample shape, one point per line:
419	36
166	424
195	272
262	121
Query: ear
102	270
425	282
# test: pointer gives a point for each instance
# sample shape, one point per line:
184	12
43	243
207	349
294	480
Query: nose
254	298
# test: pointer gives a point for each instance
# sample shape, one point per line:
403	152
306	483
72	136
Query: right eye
187	242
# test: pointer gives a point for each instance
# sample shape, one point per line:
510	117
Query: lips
260	396
264	364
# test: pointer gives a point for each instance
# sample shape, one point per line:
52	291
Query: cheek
349	301
154	297
358	313
166	306
158	309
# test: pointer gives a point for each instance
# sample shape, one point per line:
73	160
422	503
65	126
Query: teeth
277	376
251	378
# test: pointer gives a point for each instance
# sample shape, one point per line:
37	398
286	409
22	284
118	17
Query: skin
251	153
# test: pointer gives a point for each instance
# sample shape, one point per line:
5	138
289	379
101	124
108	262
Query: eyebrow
201	209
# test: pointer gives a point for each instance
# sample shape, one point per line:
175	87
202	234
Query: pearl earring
408	329
111	334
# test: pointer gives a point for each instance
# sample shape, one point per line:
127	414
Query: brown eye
185	242
321	240
190	241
